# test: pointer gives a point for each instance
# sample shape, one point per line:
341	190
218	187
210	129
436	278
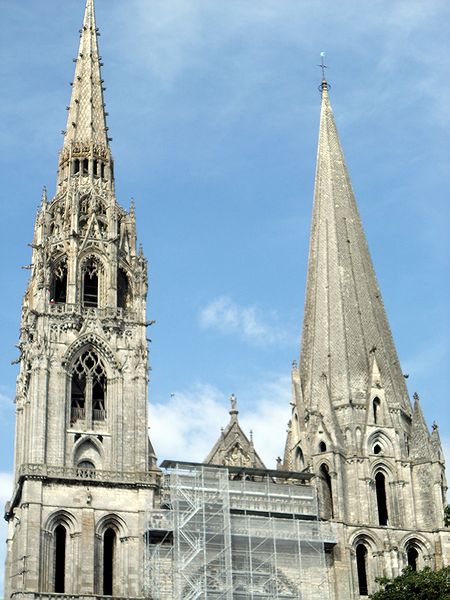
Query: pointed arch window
299	460
123	289
361	565
322	447
327	492
60	537
88	389
91	280
380	487
109	551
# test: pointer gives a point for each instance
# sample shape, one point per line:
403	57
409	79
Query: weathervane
322	65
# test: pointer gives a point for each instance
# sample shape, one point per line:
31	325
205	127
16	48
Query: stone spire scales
345	323
86	134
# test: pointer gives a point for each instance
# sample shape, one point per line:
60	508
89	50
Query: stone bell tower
379	472
84	467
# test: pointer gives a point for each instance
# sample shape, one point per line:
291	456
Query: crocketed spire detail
344	320
86	120
85	158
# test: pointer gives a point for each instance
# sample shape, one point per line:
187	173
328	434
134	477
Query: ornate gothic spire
344	320
86	121
86	134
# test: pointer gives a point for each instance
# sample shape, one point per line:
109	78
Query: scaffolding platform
231	535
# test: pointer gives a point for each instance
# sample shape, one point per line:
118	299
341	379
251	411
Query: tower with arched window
379	473
84	467
89	506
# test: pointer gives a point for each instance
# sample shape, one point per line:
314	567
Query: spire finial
44	196
324	85
86	135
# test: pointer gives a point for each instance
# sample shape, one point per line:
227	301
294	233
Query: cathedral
359	492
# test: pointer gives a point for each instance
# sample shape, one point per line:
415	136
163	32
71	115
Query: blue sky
214	113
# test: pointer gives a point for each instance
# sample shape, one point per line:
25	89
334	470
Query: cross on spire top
324	85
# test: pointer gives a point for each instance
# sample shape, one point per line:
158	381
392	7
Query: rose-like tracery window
88	392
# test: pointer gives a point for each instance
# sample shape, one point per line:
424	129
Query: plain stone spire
345	323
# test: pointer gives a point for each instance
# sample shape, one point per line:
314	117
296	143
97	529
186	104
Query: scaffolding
221	538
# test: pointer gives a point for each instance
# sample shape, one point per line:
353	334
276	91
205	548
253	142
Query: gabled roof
234	448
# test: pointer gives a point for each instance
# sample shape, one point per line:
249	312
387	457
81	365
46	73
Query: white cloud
248	322
6	407
175	38
187	426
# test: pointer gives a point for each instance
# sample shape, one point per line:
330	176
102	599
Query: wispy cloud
172	39
421	362
6	407
188	425
249	323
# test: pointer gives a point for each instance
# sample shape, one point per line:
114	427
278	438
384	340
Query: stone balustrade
77	473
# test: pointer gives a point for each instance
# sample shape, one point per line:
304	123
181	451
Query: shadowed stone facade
89	498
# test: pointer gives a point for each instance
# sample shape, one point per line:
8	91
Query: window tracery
88	389
91	274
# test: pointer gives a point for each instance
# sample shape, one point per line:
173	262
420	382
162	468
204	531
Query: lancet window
109	550
123	289
60	535
376	409
91	282
88	390
361	564
327	492
59	284
380	487
299	460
